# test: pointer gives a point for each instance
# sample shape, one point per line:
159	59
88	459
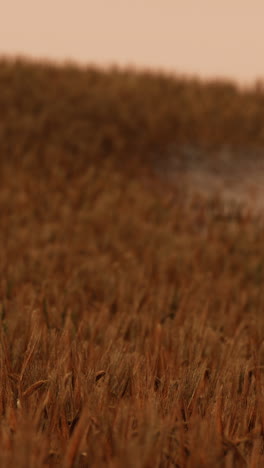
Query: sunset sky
204	37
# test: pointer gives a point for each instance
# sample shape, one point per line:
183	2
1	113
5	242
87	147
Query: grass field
131	314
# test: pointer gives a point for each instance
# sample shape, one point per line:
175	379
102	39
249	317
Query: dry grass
131	317
84	110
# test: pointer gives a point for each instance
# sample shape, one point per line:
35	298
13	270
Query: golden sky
204	37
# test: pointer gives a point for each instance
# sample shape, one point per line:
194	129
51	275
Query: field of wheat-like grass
131	314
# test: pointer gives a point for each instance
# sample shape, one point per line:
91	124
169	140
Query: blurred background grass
91	113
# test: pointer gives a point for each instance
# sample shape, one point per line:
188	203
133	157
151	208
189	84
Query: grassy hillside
87	111
131	316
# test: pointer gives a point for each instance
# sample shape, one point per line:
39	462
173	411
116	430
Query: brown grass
131	316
